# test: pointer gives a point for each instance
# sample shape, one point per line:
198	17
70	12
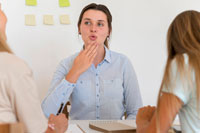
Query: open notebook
111	127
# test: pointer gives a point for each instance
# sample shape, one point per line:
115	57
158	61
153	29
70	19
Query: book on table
111	127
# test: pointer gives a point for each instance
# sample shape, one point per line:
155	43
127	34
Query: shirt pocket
113	89
82	90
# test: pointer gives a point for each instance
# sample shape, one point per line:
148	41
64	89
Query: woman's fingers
86	49
92	56
90	52
91	48
146	112
93	52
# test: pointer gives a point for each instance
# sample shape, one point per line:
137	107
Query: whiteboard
139	32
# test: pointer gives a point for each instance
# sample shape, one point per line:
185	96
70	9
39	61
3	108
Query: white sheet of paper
73	128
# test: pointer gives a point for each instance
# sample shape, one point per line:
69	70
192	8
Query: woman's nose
93	28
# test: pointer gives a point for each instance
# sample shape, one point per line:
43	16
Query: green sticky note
31	2
64	3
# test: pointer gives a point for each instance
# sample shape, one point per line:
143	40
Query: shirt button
97	84
96	74
97	95
97	106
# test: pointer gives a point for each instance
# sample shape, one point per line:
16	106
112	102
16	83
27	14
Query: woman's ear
79	31
108	35
109	31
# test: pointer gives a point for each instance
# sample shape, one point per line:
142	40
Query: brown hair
3	45
183	37
102	8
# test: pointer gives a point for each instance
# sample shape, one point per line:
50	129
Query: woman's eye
100	24
87	23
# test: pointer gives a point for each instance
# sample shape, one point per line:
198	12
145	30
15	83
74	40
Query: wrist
49	130
143	127
72	76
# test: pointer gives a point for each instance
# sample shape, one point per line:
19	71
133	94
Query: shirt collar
107	55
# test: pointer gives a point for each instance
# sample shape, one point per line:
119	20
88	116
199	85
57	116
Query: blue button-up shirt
102	92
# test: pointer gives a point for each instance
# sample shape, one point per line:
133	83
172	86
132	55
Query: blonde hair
183	37
3	45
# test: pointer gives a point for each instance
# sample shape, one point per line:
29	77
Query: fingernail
51	126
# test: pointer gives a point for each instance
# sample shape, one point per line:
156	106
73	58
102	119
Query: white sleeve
179	86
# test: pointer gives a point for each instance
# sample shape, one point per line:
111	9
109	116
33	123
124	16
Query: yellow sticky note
30	20
64	3
64	19
31	2
48	19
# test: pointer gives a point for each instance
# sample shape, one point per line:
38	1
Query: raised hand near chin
82	62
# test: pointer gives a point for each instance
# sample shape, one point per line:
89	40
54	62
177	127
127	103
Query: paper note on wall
31	2
64	19
48	19
64	3
30	20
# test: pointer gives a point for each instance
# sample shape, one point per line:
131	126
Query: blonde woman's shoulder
11	63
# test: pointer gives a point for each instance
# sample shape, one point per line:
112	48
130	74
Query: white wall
139	31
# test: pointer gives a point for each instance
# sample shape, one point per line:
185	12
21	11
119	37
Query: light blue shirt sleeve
59	91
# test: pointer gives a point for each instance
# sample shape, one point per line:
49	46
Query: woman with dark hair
180	88
99	83
19	100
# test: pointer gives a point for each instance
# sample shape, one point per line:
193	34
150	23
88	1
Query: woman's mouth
93	38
